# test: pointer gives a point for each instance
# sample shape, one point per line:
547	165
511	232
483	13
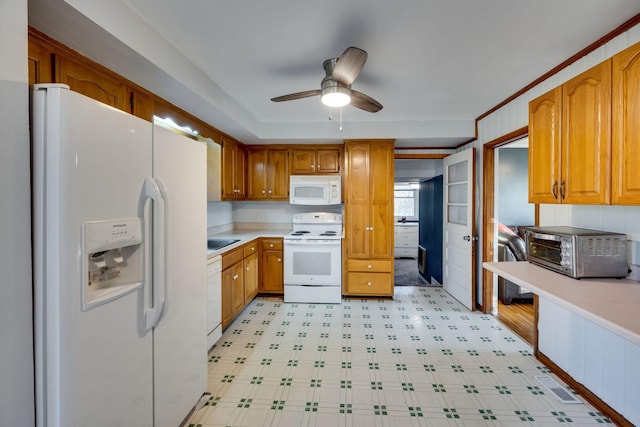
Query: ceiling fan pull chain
340	119
330	118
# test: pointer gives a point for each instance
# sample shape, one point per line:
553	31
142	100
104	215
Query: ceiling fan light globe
336	99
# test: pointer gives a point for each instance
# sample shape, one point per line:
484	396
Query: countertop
245	236
613	304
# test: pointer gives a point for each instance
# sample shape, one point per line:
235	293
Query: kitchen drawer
406	252
406	237
232	257
250	248
272	244
406	229
406	244
361	283
383	266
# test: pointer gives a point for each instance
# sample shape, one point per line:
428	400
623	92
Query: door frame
488	209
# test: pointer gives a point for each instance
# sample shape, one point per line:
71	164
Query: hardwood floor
518	316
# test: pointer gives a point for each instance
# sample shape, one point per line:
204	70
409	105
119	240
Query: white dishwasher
214	300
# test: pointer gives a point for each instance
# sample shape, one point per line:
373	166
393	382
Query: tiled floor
420	359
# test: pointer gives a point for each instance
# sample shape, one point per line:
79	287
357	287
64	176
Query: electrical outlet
635	272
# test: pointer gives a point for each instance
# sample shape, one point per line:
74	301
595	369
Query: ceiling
435	65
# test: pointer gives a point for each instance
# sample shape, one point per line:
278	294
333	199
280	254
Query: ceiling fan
335	89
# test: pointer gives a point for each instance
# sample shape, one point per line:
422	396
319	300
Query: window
406	201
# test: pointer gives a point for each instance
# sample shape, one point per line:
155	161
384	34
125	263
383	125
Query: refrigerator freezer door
180	351
93	367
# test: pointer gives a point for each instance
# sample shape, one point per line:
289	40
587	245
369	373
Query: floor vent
558	390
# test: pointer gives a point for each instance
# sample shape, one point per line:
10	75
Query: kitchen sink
220	243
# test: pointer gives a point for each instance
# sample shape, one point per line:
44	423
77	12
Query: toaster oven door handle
537	235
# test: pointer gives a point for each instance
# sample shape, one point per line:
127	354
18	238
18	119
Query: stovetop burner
316	225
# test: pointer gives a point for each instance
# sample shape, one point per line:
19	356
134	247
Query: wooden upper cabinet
369	200
544	147
357	200
626	126
381	169
90	82
233	170
268	174
586	137
142	105
308	161
39	62
570	141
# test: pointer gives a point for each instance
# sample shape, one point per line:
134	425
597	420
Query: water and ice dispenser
112	259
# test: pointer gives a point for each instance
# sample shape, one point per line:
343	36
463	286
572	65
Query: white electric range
313	259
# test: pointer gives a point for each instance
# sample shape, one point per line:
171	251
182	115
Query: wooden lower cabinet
369	277
232	292
271	271
240	274
250	277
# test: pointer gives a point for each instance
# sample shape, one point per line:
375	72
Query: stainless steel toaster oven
578	252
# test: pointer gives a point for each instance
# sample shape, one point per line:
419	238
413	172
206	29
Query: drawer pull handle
235	277
270	245
369	266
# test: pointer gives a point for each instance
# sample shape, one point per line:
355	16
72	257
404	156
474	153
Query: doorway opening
506	211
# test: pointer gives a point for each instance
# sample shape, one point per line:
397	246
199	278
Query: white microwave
315	189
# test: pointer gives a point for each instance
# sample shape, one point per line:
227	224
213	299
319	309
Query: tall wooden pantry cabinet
368	190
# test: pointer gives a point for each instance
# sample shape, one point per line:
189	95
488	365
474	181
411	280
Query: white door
180	337
459	227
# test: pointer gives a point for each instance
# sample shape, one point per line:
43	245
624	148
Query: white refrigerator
120	266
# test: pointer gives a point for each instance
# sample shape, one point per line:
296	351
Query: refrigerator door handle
153	313
165	246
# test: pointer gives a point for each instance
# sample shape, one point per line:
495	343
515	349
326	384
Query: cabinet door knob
269	191
264	191
235	277
270	245
369	266
369	284
247	268
279	259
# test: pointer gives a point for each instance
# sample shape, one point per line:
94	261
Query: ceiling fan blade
297	95
349	65
364	102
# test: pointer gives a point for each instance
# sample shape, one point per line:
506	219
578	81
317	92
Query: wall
514	116
16	351
418	169
258	214
513	183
